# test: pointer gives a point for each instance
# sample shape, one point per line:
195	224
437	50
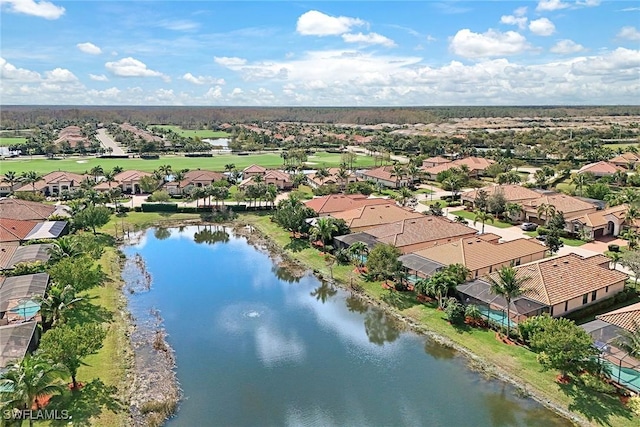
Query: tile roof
371	216
599	218
343	202
62	176
626	317
384	172
475	253
475	164
15	230
199	176
420	229
562	202
559	279
24	209
512	192
254	169
600	168
628	157
436	159
130	175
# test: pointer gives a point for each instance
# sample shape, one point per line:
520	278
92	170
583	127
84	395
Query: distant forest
17	117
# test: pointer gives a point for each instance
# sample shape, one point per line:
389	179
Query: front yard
471	216
567	241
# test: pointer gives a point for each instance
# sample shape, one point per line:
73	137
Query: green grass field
217	163
8	141
186	133
621	145
471	216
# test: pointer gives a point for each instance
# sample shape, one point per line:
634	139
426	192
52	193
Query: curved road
108	142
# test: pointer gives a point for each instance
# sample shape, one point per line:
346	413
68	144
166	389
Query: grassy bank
188	133
135	221
517	362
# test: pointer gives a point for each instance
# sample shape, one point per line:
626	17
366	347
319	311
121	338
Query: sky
327	53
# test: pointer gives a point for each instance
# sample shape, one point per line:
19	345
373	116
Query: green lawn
322	158
622	145
566	241
8	141
471	216
517	361
186	133
134	221
217	163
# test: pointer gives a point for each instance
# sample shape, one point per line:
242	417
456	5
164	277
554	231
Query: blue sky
330	53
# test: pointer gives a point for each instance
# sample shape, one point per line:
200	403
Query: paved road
108	142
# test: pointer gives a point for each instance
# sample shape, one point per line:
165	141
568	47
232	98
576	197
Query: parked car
529	226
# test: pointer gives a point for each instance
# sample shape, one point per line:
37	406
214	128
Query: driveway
108	142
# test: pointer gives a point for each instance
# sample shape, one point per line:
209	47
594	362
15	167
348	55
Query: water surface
256	347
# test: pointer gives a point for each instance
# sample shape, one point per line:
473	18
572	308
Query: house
626	160
606	222
16	340
253	170
601	169
6	187
482	257
72	135
326	205
281	180
475	165
366	217
128	181
557	286
48	230
570	206
17	293
413	234
386	177
15	231
333	178
10	255
513	193
54	183
194	178
434	161
27	210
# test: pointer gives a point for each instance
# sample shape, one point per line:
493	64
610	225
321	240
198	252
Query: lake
256	347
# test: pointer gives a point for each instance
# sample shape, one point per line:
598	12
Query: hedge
159	207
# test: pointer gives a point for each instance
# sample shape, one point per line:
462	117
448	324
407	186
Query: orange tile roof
600	168
562	202
475	164
628	157
130	175
475	253
384	172
343	202
201	175
371	216
254	169
420	229
512	192
436	160
556	280
598	218
626	317
15	230
24	209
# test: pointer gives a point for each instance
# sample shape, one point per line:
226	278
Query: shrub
614	248
596	383
455	311
29	196
542	231
634	404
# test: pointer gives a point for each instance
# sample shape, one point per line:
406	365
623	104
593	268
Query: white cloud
201	80
60	75
41	9
490	44
131	67
566	46
314	23
229	62
551	5
111	93
236	92
178	25
588	3
214	93
371	38
11	72
89	48
520	21
521	11
542	27
620	61
98	77
629	33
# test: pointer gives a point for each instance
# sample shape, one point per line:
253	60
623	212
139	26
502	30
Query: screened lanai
15	341
419	267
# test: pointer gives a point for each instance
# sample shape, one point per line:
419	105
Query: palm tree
631	236
27	380
508	285
440	284
398	171
513	209
322	174
547	210
66	246
271	194
110	177
615	258
580	180
343	176
323	231
30	177
483	217
11	177
357	252
630	340
229	167
631	214
117	169
404	195
56	303
165	170
178	177
96	171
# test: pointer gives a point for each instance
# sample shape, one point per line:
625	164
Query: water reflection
438	351
211	235
323	292
162	233
284	274
380	328
356	304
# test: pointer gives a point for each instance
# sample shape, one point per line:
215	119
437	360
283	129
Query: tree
404	194
148	184
382	261
291	214
629	341
436	209
453	184
82	273
54	306
480	202
322	174
96	171
564	346
557	222
323	231
11	177
513	210
497	203
70	344
25	381
398	171
581	180
92	217
483	217
546	210
507	283
553	241
440	284
631	260
357	251
66	246
30	178
510	177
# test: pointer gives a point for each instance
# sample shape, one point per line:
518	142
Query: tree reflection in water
356	305
211	235
162	233
438	351
380	328
284	274
324	292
